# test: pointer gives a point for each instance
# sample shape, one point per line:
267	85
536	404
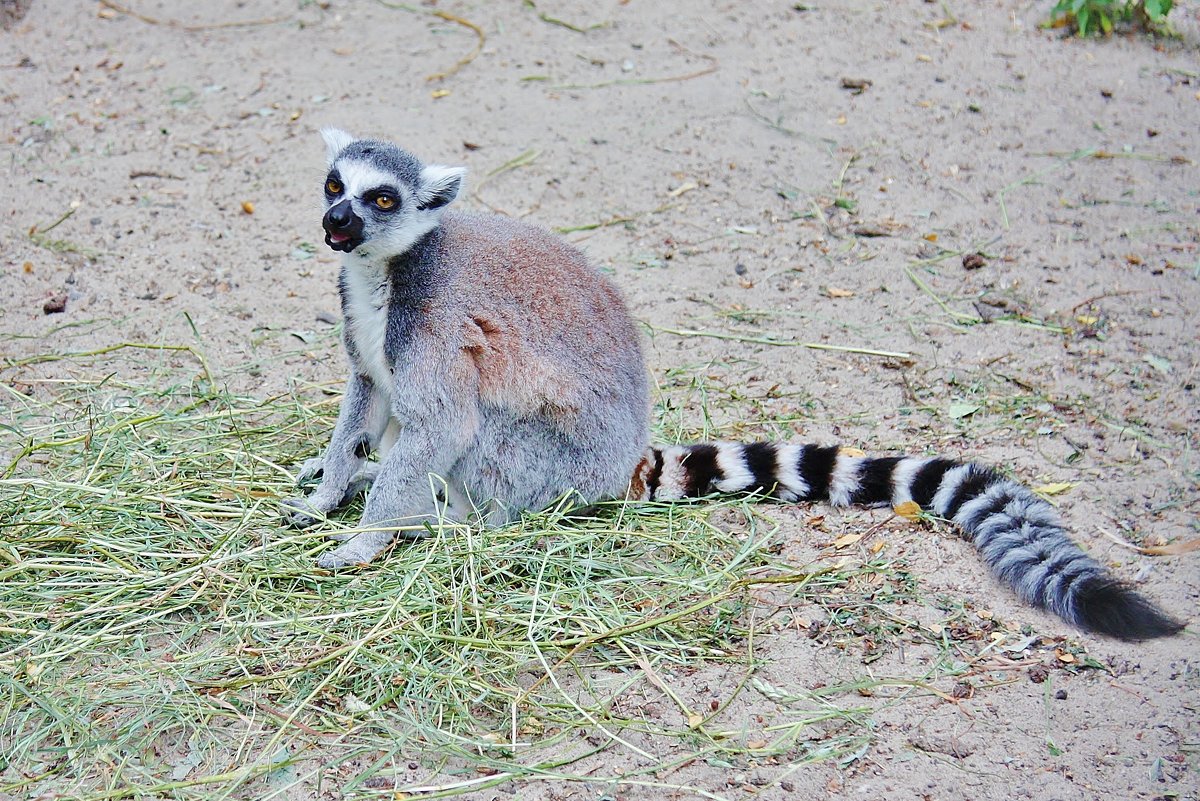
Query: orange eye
385	202
333	187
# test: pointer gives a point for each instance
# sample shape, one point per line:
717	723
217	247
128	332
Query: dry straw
161	635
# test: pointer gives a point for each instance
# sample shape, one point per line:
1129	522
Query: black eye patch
390	191
383	198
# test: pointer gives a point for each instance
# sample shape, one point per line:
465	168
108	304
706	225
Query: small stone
856	85
55	304
973	261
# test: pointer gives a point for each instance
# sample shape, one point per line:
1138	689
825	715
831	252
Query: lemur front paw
310	471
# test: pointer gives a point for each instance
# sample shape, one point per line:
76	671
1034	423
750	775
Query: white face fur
395	209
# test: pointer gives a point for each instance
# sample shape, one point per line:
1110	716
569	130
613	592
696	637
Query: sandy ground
759	170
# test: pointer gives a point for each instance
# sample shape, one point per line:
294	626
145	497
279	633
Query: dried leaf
1174	549
835	292
694	720
957	411
909	510
438	94
846	540
850	450
1158	363
1055	488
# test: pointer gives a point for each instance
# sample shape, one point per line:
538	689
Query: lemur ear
335	142
439	186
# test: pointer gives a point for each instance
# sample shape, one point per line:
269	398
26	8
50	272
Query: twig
457	20
786	343
1109	154
469	57
829	144
170	23
1033	177
957	315
714	65
641	81
544	17
528	157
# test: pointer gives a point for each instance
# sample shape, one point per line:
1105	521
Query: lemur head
379	200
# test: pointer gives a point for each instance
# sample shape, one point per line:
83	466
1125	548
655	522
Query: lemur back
495	370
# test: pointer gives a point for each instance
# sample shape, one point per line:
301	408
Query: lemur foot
307	512
300	513
357	550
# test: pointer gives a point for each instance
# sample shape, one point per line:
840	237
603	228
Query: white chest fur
366	323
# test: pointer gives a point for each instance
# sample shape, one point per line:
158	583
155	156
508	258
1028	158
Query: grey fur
494	370
510	368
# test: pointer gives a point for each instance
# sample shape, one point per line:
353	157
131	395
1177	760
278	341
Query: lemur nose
340	216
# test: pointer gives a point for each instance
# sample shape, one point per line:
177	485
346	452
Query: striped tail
1019	535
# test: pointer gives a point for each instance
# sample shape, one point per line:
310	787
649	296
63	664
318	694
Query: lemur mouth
341	242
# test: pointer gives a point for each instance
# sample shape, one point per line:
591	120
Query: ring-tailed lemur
492	355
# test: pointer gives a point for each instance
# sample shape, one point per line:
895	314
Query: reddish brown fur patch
637	482
511	375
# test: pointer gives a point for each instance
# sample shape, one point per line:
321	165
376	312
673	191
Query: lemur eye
333	187
385	202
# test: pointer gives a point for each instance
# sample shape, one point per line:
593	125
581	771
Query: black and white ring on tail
1018	534
494	370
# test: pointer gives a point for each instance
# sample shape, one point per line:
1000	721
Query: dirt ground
753	175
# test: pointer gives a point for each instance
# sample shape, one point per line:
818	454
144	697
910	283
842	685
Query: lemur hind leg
381	526
410	491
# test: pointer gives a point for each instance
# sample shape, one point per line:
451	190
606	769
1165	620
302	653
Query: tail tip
1106	606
